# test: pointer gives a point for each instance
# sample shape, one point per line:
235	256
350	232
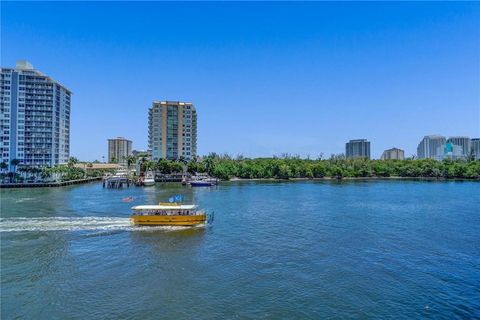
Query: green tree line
225	167
286	168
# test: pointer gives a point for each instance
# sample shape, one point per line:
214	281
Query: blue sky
266	78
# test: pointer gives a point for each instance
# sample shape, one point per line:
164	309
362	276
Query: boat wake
76	224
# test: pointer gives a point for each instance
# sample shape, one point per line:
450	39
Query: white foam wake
73	224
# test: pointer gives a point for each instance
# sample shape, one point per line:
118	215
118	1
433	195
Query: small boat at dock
202	183
201	180
149	179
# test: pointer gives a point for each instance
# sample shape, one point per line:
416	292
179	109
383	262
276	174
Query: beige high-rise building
393	154
172	130
118	150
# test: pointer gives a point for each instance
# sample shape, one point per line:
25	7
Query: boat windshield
158	212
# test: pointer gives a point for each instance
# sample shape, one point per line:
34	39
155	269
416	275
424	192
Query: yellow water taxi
168	214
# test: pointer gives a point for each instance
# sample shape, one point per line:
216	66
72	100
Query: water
277	250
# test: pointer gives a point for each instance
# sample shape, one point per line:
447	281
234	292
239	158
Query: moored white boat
149	179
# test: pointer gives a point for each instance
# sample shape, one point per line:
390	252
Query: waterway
276	250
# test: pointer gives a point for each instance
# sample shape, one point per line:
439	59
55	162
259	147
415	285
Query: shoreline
89	180
353	178
48	184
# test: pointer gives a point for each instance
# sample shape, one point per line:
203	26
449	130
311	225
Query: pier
116	182
48	184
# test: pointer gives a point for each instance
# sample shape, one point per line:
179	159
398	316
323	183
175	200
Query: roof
165	207
26	67
95	166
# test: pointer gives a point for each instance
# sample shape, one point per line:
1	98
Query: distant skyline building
475	147
359	148
172	130
118	150
34	117
431	147
463	142
393	154
140	153
452	151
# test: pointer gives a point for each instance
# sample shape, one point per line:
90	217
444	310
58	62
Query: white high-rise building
172	130
452	151
464	143
431	147
34	117
475	147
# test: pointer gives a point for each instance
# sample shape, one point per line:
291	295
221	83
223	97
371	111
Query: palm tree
143	160
46	172
151	165
210	164
35	171
3	166
72	161
14	163
24	171
11	175
130	160
183	160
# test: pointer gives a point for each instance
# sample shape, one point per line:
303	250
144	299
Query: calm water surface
278	250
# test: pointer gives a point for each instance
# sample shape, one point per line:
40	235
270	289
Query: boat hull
148	183
168	220
202	184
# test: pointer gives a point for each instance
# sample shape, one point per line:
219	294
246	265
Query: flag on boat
177	198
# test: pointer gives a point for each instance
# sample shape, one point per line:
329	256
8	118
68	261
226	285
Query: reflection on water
167	239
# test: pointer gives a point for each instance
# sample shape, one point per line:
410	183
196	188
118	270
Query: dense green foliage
162	166
65	172
285	168
69	172
225	167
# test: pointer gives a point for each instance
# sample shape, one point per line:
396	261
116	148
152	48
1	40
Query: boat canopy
165	206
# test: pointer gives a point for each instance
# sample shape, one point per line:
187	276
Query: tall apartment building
452	151
118	150
172	130
463	142
34	117
359	148
393	154
475	147
431	147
